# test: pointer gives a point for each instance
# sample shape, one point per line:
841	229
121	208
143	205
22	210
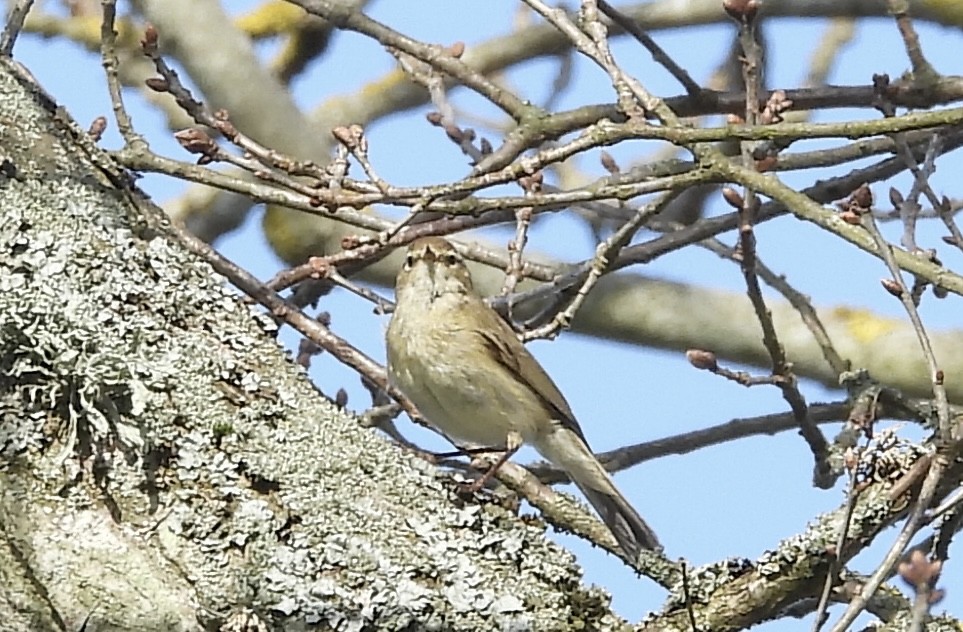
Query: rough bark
165	466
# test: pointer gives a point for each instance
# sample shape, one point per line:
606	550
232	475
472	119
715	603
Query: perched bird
464	368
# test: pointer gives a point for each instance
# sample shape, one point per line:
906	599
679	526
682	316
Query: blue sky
733	500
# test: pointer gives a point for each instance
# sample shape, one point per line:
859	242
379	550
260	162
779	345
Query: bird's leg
512	443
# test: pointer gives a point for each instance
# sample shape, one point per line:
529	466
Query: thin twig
351	18
910	208
594	45
629	456
688	596
892	557
692	88
747	209
950	525
832	574
15	20
946	432
743	378
523	219
922	69
949	504
382	305
601	263
108	54
797	299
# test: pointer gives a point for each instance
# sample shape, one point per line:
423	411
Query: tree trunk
165	466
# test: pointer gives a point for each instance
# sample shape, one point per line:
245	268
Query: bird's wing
512	354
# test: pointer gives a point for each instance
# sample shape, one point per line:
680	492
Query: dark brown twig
685	443
692	88
797	299
922	69
747	206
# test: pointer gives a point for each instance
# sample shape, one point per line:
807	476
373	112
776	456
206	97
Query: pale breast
451	377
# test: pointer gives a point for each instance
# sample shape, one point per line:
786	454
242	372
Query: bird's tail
569	451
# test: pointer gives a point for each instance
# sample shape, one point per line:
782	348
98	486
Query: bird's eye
409	261
450	259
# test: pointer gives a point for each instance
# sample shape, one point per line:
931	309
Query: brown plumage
469	375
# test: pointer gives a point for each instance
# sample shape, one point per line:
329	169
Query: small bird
468	374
